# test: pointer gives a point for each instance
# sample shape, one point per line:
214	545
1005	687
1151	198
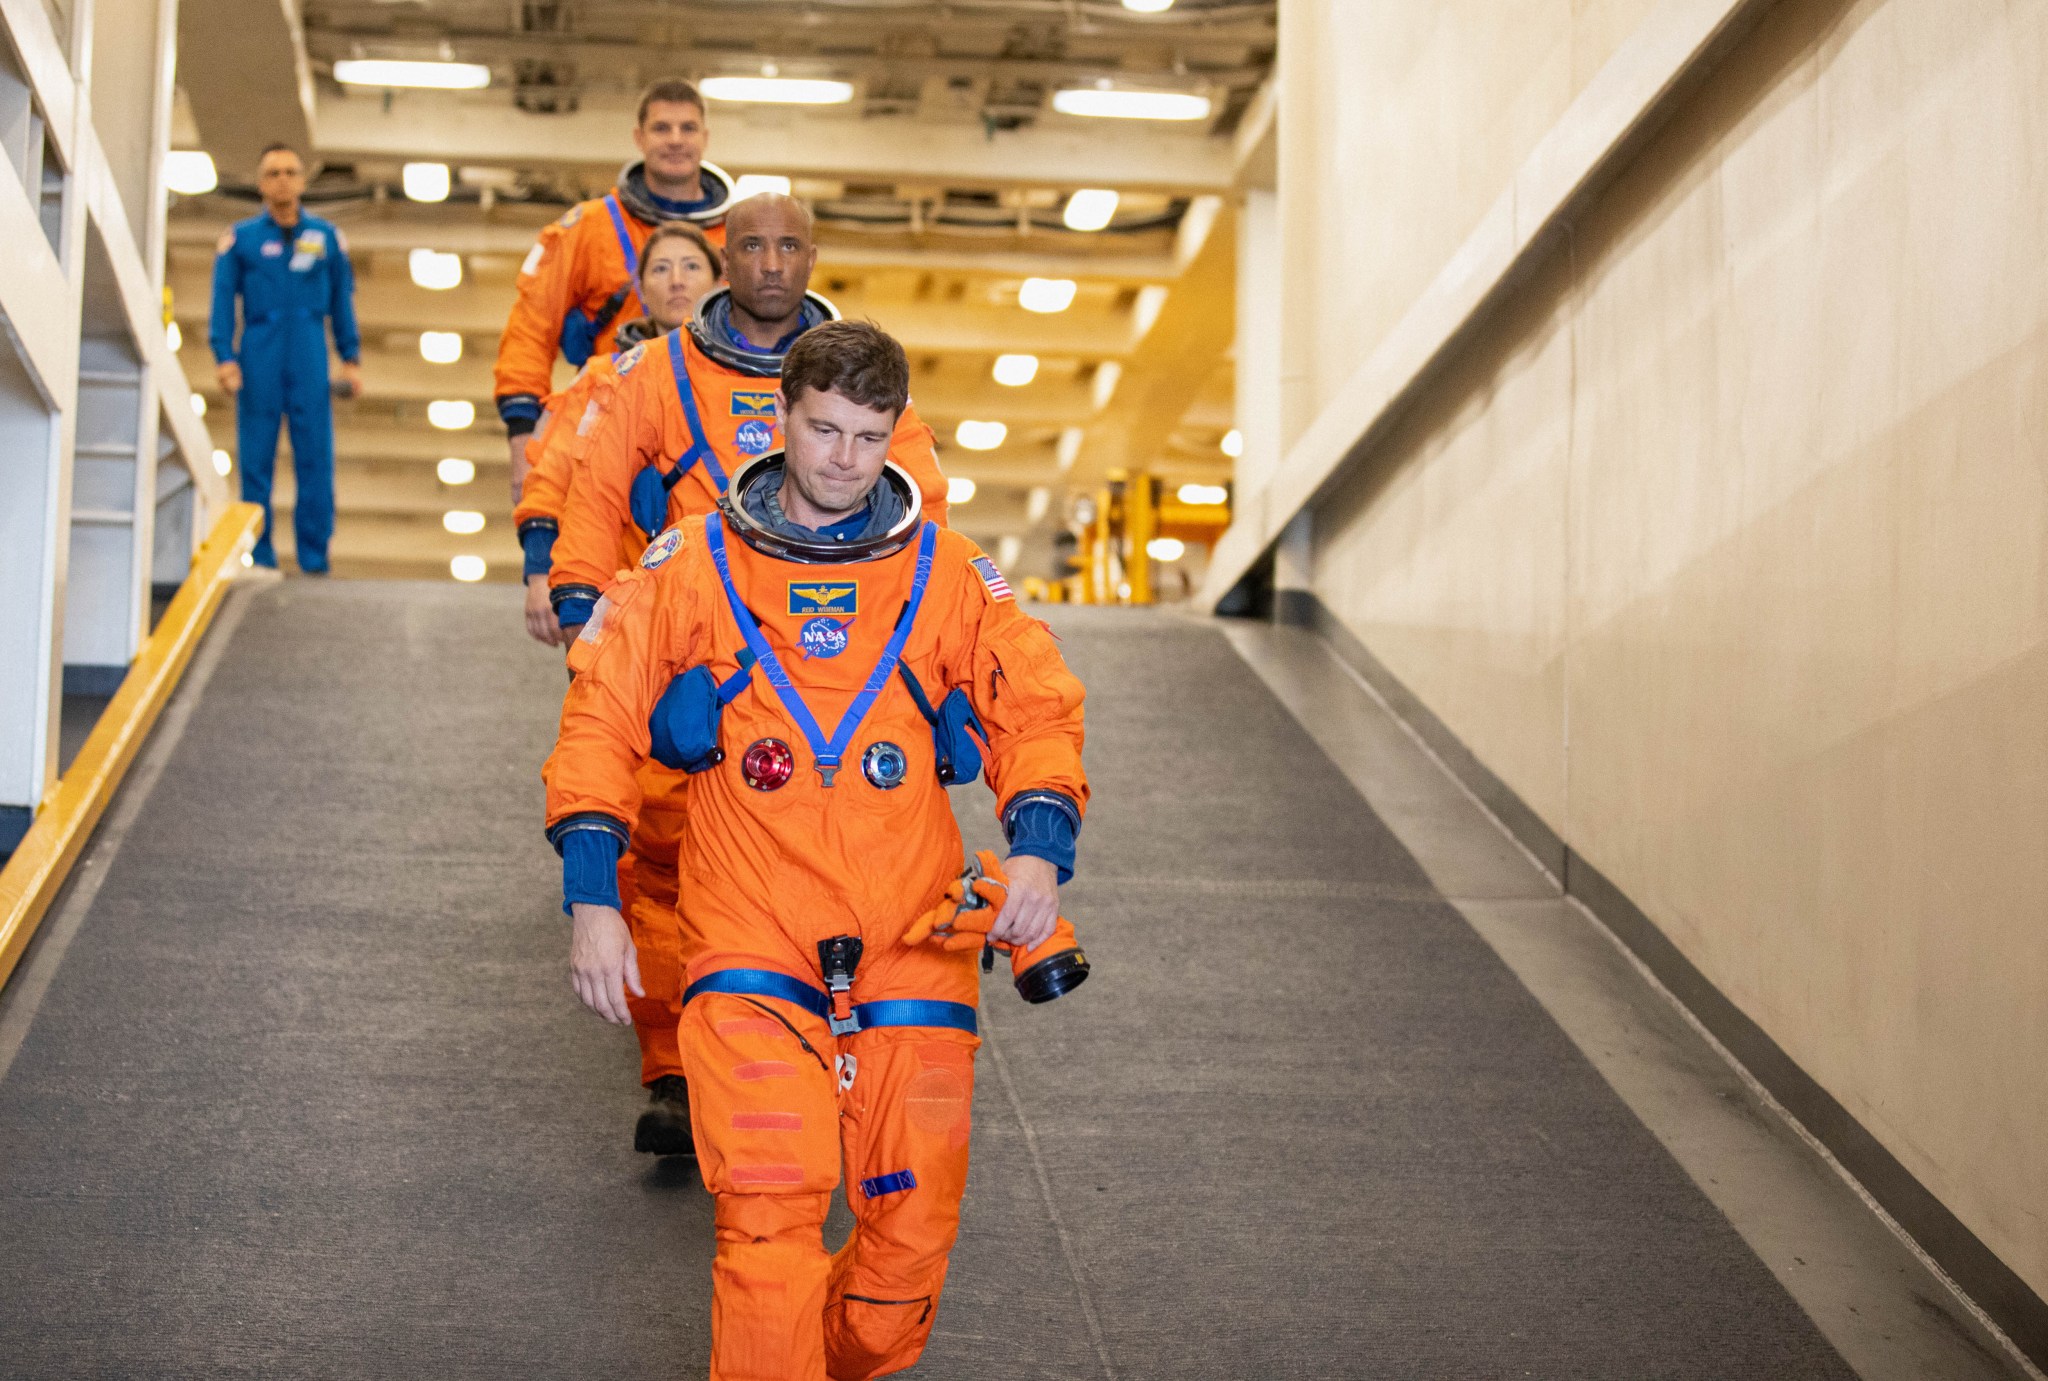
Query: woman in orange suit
789	648
678	268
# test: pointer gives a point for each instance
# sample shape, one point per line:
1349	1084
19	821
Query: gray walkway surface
306	1093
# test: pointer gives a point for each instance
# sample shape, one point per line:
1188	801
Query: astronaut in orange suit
577	284
679	416
788	648
688	408
678	269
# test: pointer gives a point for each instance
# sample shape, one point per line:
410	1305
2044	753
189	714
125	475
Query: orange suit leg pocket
766	1124
908	1115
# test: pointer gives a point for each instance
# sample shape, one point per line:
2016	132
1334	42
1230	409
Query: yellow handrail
36	872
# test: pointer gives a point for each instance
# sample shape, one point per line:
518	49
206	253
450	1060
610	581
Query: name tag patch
753	405
813	597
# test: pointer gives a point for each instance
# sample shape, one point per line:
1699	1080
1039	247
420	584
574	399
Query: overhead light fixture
981	436
455	470
1091	208
1233	443
425	181
1166	549
190	172
451	414
1108	375
222	461
429	76
959	488
1112	104
1047	295
1015	371
462	521
198	406
753	184
1148	6
1069	449
440	347
469	569
1036	503
777	90
434	270
174	339
1203	495
1009	549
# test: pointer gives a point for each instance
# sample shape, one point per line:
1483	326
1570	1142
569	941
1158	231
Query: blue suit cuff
590	868
538	543
574	611
1044	825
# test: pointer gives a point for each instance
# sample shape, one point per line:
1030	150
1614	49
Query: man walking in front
291	273
788	650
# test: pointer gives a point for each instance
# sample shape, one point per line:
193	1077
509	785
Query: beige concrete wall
1725	543
1403	122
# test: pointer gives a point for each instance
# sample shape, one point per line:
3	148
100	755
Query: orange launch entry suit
634	420
579	284
779	1101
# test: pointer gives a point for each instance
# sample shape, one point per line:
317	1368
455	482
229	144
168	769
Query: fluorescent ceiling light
1130	105
222	461
435	270
777	90
190	172
1015	371
425	181
1091	208
1203	495
455	470
1009	549
1069	449
1166	549
1148	6
753	184
1046	294
959	488
1036	503
462	521
451	414
433	76
174	339
1233	443
467	568
440	347
1108	375
198	406
981	436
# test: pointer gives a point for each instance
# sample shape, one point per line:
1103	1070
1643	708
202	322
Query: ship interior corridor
292	1084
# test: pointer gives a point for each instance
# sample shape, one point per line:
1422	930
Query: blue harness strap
828	753
957	1016
699	450
612	208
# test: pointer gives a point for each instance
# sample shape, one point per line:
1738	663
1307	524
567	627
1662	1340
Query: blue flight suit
290	282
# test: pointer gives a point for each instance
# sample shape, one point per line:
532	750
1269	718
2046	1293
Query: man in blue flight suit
292	273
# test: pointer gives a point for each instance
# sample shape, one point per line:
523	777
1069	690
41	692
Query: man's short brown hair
857	360
674	90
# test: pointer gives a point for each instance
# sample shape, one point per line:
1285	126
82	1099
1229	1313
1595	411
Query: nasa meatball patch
661	548
629	359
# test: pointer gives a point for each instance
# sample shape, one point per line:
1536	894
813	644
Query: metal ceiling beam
242	66
466	235
1053	153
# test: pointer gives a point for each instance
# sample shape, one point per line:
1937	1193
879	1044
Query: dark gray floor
309	1096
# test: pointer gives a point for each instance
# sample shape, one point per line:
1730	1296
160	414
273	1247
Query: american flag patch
998	588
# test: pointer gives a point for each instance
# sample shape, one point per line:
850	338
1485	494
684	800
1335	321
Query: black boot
664	1129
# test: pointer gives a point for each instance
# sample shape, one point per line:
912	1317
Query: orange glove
963	916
